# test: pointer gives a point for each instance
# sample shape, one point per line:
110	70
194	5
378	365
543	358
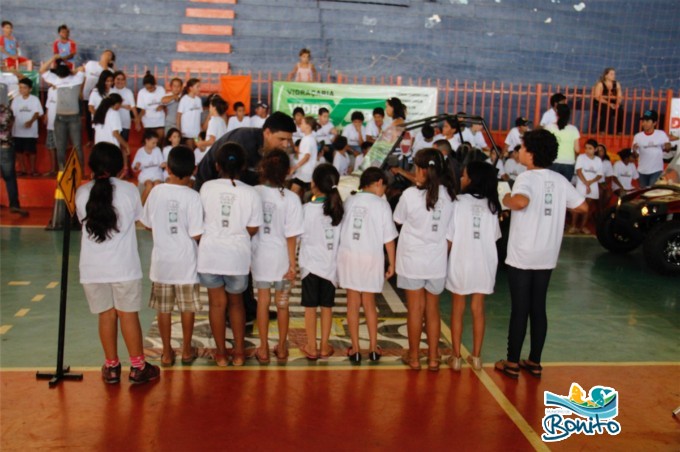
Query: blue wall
546	41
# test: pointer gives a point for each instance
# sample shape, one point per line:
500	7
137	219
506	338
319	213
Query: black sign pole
62	373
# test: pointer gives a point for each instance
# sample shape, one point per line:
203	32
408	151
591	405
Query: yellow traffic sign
70	181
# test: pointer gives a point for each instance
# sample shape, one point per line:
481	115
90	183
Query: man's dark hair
279	122
542	144
181	161
557	98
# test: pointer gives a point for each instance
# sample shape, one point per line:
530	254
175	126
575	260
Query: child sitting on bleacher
148	162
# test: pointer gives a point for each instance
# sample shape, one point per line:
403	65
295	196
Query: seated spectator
64	47
341	160
9	48
375	125
360	158
513	167
514	137
240	119
355	132
326	132
260	116
478	139
424	139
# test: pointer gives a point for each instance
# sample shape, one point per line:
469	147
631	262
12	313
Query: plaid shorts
164	297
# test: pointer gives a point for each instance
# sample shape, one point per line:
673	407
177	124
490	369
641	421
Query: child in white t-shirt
174	213
513	167
650	145
355	131
107	126
366	227
274	258
341	160
473	259
239	119
110	269
189	112
148	164
150	102
27	110
539	200
50	143
232	215
318	258
304	168
326	131
624	172
605	184
424	211
173	139
216	126
588	173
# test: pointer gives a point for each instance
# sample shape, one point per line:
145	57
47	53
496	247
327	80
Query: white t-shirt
166	154
191	108
175	215
366	226
372	129
358	161
297	135
104	132
590	169
625	174
257	121
467	137
150	165
650	148
68	87
216	128
282	218
607	170
70	80
341	163
94	101
234	123
350	132
324	134
500	166
319	244
536	231
92	72
473	231
549	118
478	140
513	139
421	251
198	155
307	146
115	259
51	107
152	118
228	211
128	101
23	110
513	168
420	143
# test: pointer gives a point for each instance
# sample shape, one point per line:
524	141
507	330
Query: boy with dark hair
298	116
375	126
64	47
260	116
240	119
9	48
326	132
27	110
355	132
550	116
649	145
539	200
174	213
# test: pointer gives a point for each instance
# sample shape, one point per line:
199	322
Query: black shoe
21	212
374	356
111	375
354	358
147	373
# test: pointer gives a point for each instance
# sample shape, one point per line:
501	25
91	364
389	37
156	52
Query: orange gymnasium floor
613	323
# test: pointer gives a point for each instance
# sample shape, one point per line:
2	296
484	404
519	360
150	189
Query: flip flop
221	359
166	364
535	370
433	365
262	359
280	356
331	350
192	358
309	356
508	371
411	363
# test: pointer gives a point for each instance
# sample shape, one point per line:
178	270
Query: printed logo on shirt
436	215
330	235
476	221
226	200
267	214
173	216
580	413
549	188
358	214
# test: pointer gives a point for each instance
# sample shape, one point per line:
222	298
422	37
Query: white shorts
434	286
123	296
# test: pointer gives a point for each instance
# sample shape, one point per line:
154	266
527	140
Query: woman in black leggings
539	200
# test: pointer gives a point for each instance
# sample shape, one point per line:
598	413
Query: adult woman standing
567	138
607	100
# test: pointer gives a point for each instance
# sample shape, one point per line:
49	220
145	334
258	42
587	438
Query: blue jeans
564	169
9	174
647	180
65	127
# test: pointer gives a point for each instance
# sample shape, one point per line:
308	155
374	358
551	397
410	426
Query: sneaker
111	375
148	373
21	212
456	363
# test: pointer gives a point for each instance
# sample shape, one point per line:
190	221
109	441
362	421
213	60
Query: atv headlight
618	203
644	211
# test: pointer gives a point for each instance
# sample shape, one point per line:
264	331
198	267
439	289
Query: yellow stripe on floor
52	285
4	329
21	312
38	297
19	283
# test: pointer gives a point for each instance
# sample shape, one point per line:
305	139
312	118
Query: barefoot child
366	227
232	215
318	257
473	259
304	70
424	212
148	161
274	260
110	269
174	214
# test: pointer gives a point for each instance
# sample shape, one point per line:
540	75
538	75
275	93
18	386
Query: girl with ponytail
232	215
110	269
424	212
318	257
189	112
107	125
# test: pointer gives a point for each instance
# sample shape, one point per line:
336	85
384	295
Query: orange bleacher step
203	47
194	66
210	13
214	30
